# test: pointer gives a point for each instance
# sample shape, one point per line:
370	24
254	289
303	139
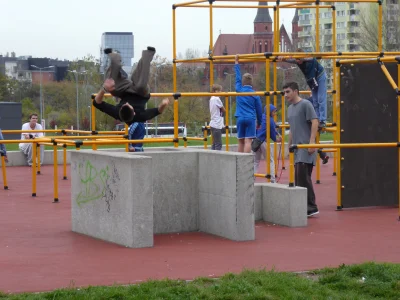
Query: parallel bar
205	138
55	163
398	129
176	111
350	145
65	161
380	26
111	142
283	101
187	4
93	110
389	77
126	132
291	169
267	119
210	53
34	170
227	123
38	158
318	163
193	139
3	168
334	97
317	26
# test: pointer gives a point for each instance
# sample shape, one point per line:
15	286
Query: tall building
121	42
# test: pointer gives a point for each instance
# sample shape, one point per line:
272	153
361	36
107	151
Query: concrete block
226	194
175	185
112	197
284	205
258	213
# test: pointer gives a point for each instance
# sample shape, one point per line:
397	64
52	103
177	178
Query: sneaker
312	212
325	160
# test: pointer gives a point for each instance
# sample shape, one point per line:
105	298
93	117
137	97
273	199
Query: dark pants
138	83
302	178
322	154
217	138
141	115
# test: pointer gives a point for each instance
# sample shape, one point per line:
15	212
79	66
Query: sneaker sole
313	214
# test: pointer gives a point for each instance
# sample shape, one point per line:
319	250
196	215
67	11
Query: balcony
304	22
304	33
328	31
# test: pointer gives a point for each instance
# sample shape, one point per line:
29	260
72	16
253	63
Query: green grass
232	141
365	281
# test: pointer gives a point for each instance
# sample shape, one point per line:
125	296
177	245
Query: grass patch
381	281
232	141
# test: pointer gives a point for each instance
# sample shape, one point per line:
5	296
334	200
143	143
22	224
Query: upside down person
133	92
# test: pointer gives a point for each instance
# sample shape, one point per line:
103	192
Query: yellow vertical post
291	167
276	49
93	109
334	87
38	158
398	125
276	105
34	170
275	30
380	26
127	133
176	116
318	163
227	122
211	47
205	137
339	157
3	167
65	161
267	119
317	26
55	160
283	117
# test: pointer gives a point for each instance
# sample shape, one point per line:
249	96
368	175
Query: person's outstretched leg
322	106
140	76
115	71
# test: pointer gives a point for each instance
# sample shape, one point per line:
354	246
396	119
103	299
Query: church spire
263	14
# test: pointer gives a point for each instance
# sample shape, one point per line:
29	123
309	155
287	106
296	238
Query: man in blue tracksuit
3	149
248	110
261	137
315	76
136	131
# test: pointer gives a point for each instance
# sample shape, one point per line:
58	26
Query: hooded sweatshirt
262	133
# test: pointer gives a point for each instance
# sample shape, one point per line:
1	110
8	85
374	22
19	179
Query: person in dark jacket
261	137
136	131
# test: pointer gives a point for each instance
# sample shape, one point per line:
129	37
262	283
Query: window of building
340	13
340	24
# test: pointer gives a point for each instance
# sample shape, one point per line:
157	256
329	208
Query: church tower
263	30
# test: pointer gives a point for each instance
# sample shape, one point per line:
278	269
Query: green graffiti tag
93	182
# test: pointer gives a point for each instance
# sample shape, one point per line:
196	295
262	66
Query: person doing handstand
134	92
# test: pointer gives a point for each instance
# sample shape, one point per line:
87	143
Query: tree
367	33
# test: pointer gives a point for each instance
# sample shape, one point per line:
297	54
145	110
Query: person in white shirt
217	110
26	148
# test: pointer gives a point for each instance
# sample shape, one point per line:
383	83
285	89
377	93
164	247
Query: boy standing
217	110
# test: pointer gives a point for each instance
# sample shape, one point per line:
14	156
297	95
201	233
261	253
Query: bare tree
368	29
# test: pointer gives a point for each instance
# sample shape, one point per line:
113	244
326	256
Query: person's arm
259	111
238	75
220	105
311	116
289	137
272	129
107	87
99	97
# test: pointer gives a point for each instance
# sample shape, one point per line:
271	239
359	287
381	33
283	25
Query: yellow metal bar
268	122
34	170
334	101
283	117
380	26
338	154
176	118
211	47
260	175
205	137
275	117
291	169
38	158
317	163
349	145
388	76
227	123
55	163
3	168
398	128
330	150
93	115
126	132
174	49
317	26
193	139
65	161
28	131
112	142
187	4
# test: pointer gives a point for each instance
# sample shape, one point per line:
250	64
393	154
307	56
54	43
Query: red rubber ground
38	251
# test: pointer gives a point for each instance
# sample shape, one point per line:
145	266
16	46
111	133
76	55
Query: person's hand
131	149
279	139
109	84
6	159
280	58
311	150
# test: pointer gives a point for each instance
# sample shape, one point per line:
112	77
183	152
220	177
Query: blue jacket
136	131
262	132
310	67
2	146
246	106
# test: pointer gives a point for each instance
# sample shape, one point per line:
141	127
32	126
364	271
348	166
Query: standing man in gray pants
134	92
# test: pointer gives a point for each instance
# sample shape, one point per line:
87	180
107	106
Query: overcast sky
72	29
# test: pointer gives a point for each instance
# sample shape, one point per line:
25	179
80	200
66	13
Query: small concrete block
258	213
112	197
284	205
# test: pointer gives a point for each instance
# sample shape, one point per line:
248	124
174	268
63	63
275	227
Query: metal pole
41	100
77	101
230	103
155	104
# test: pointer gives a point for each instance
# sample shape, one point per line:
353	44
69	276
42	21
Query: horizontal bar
288	126
368	60
184	4
359	145
260	175
144	141
29	131
89	137
77	131
192	139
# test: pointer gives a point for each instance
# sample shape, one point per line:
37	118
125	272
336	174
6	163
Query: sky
72	29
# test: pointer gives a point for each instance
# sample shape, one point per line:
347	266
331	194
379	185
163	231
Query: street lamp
76	75
41	106
230	99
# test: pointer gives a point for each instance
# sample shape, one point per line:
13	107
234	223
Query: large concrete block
284	205
111	195
226	194
175	185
